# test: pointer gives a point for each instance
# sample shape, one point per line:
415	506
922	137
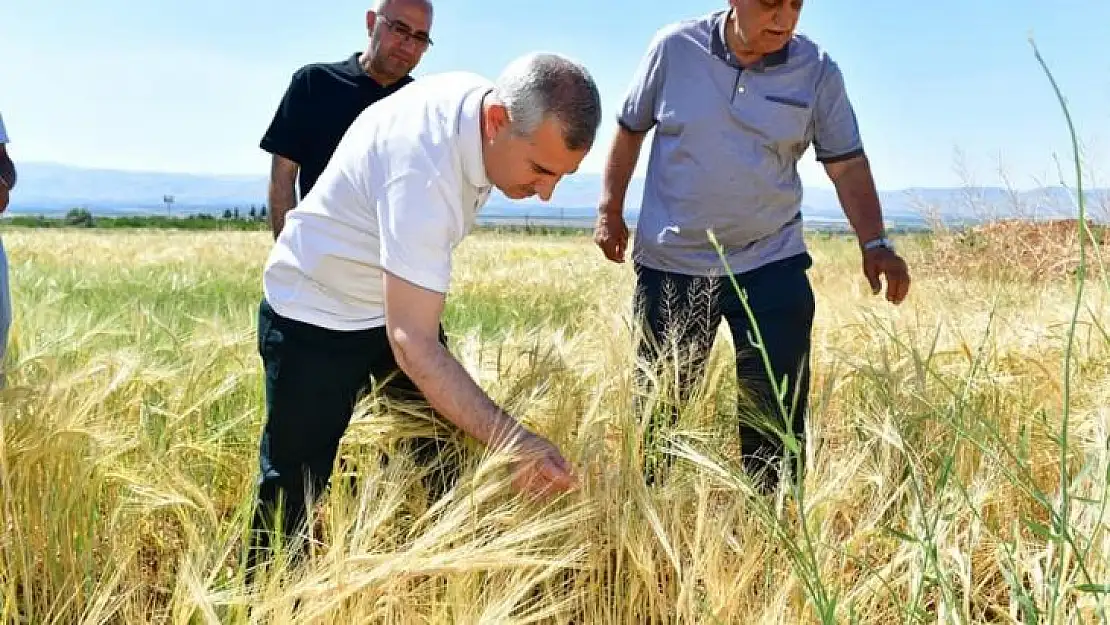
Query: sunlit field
957	470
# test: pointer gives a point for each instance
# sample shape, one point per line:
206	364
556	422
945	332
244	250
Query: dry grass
1019	250
935	492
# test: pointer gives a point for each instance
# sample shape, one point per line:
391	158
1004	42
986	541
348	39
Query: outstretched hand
611	235
885	263
540	470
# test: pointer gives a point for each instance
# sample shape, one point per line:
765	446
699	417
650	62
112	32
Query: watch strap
877	243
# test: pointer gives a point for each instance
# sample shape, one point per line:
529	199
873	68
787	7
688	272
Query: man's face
523	166
399	37
767	25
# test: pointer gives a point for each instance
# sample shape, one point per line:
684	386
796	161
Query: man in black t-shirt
323	99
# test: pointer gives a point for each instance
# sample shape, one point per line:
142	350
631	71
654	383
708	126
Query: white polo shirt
400	192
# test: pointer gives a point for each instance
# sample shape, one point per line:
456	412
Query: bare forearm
282	198
623	155
452	392
282	194
855	188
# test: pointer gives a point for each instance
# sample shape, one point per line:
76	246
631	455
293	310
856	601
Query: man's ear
371	19
497	120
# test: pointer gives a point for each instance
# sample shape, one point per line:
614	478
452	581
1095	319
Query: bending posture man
354	287
324	98
735	98
7	183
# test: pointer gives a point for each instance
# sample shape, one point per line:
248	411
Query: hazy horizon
52	189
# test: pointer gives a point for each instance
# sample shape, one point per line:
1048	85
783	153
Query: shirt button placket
741	88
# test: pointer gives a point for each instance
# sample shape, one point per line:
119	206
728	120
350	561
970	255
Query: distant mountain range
50	189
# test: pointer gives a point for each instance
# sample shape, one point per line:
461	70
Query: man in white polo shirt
7	183
354	286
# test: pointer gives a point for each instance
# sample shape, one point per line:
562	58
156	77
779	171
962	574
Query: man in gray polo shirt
735	98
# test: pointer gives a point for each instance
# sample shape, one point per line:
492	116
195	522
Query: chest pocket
782	123
668	121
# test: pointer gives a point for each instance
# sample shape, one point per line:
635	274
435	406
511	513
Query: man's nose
546	188
410	44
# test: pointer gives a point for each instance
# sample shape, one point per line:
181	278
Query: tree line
255	218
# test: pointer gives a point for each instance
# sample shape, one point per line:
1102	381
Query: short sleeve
3	131
638	111
836	131
286	134
419	221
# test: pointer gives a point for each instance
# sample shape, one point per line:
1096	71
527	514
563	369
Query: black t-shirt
322	100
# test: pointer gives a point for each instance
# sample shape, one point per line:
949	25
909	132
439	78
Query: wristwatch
879	242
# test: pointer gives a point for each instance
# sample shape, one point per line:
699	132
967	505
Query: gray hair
539	85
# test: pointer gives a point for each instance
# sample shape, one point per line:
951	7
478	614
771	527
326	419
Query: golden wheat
130	424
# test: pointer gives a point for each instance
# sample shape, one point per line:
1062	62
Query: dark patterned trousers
679	316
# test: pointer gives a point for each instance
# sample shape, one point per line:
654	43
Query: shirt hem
319	319
660	263
277	149
836	158
630	128
419	278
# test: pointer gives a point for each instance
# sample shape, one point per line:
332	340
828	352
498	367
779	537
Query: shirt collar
470	135
355	70
353	66
719	47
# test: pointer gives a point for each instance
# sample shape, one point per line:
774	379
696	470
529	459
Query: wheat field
943	485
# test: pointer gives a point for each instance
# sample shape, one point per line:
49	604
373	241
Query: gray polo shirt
727	142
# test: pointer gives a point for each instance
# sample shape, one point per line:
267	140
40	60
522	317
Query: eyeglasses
402	29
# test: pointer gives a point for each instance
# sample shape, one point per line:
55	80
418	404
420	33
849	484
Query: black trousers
314	378
680	315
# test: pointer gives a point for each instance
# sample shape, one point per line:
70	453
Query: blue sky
189	86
